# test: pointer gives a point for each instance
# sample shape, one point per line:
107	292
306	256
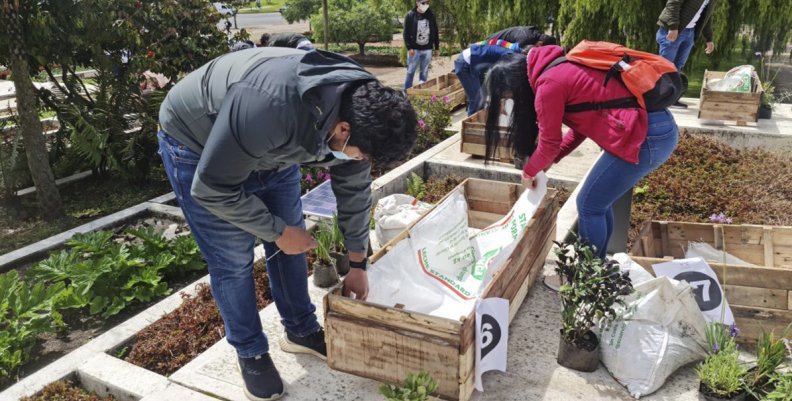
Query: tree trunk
30	126
326	22
362	48
236	11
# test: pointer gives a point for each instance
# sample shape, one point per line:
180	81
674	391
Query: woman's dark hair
382	120
510	76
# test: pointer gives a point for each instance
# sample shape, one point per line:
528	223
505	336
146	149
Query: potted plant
417	387
338	250
324	270
589	290
721	374
783	388
767	101
770	354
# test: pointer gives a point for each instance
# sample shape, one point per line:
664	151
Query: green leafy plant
722	373
770	354
324	243
417	387
338	236
26	311
783	388
416	187
434	116
589	290
718	335
106	276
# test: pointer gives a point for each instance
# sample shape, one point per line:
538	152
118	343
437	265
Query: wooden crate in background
444	85
729	106
385	343
473	139
760	296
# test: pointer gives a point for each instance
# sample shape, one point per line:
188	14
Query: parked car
282	9
224	9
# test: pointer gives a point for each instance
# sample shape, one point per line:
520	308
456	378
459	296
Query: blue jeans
611	177
422	57
471	83
228	251
677	51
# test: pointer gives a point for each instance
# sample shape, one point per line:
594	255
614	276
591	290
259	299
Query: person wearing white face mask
420	37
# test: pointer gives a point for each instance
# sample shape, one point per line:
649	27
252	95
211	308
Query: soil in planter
178	337
705	391
705	176
65	390
20	224
437	188
81	327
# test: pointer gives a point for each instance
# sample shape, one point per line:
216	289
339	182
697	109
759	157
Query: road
255	20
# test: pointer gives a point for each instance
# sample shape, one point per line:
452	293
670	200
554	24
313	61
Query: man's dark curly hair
382	121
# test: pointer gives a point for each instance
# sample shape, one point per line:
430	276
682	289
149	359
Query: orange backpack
654	81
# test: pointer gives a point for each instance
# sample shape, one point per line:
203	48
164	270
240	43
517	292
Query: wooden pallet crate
444	85
473	139
729	106
760	296
385	343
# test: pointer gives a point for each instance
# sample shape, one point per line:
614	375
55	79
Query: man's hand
356	281
710	48
672	35
411	52
295	240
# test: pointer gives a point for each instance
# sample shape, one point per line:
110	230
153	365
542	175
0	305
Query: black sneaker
313	344
262	380
679	105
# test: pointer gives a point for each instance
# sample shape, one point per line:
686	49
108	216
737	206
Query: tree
30	127
235	5
356	22
300	10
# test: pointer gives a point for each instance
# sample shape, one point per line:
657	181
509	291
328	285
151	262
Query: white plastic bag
660	331
394	213
738	79
709	253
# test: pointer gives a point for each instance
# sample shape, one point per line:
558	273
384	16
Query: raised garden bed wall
386	343
729	106
760	296
473	140
444	85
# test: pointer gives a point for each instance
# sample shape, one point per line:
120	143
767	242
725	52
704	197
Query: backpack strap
620	103
554	63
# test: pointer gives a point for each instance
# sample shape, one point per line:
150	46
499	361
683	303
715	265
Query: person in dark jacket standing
420	37
233	134
286	39
681	23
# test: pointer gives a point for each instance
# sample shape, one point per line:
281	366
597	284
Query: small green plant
770	354
416	187
783	388
338	236
722	373
718	335
417	387
324	243
434	115
26	311
590	288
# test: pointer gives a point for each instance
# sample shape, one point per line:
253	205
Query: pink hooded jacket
619	131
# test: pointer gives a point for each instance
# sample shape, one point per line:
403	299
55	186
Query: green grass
266	7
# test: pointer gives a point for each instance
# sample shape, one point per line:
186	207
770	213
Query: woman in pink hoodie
635	142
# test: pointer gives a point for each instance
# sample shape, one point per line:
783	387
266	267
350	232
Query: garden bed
178	337
85	200
377	60
101	280
705	177
66	390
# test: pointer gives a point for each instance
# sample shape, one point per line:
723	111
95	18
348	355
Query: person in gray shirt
233	134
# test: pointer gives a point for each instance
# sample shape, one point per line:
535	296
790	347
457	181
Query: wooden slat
757	297
761	277
752	321
446	329
503	154
497	191
534	272
789	297
664	242
482	220
386	355
466	373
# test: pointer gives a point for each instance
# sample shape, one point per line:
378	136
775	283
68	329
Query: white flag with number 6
492	336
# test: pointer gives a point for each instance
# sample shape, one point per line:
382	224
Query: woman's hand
528	182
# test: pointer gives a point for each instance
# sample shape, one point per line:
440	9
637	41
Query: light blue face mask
339	154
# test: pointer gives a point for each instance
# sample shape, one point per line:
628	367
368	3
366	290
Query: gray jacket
267	109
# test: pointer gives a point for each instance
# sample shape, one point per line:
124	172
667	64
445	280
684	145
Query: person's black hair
382	121
264	40
548	40
508	79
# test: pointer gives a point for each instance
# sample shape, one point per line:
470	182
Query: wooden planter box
760	297
729	106
444	85
473	139
386	343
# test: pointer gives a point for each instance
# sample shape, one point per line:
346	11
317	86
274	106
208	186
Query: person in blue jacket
472	64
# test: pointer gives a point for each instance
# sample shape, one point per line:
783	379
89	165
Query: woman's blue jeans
228	251
611	177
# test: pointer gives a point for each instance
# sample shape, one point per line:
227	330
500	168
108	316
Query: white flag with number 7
704	281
